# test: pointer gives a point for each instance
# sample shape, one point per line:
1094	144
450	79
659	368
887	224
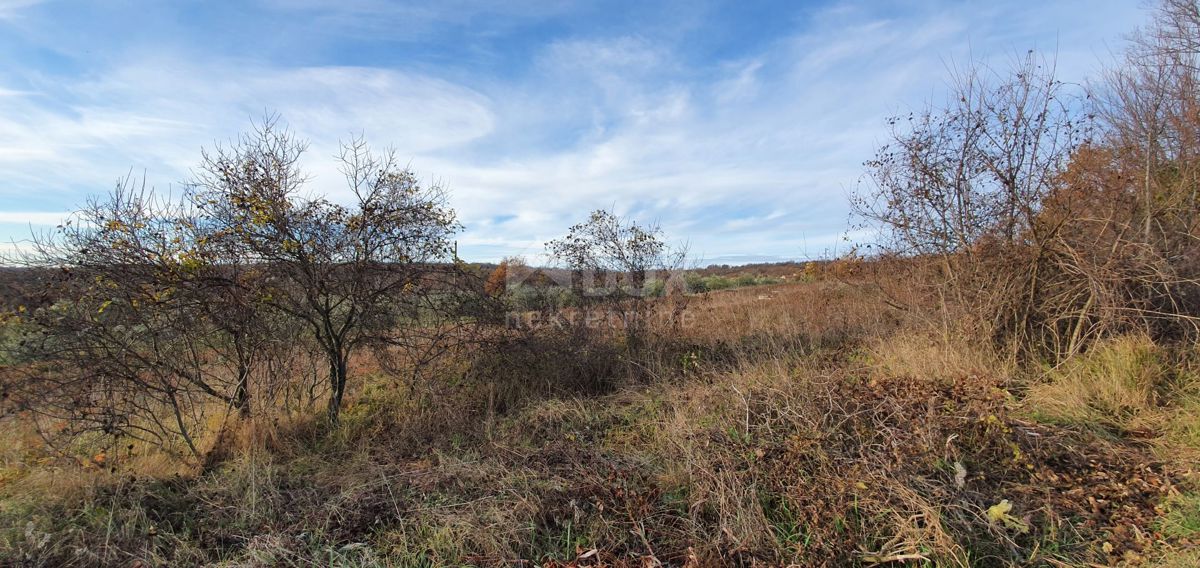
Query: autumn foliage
1047	217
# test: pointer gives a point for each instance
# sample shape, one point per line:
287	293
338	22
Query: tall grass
1119	383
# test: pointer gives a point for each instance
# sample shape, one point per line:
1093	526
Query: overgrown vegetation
1012	381
1048	217
697	284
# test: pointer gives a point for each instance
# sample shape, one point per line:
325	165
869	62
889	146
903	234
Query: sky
739	127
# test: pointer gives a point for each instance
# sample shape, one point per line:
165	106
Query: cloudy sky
739	126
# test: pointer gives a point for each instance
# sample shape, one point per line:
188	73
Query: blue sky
739	126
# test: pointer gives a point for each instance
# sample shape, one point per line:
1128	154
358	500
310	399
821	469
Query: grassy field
802	424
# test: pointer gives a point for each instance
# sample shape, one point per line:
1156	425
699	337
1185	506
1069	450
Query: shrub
656	288
10	331
528	298
714	283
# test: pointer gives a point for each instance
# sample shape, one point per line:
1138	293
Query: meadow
1006	373
798	424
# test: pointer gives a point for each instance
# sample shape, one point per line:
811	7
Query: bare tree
612	261
358	275
976	168
127	351
962	184
171	309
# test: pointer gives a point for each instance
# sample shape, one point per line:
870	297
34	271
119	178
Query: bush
656	288
718	283
9	337
526	298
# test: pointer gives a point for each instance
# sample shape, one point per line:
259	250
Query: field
798	424
278	354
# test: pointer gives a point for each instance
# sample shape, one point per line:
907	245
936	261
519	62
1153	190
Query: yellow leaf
999	510
1000	513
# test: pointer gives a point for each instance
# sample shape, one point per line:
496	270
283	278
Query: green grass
1182	519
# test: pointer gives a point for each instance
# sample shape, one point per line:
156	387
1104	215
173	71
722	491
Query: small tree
962	185
354	275
497	280
611	260
127	351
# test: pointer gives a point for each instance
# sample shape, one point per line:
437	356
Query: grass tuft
1117	385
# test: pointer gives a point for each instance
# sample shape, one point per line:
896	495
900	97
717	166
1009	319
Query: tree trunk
337	383
241	395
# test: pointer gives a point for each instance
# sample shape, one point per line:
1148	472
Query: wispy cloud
155	116
12	8
40	218
739	145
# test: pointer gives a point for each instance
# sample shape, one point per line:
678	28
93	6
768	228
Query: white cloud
156	115
602	58
747	155
756	158
744	84
12	8
26	218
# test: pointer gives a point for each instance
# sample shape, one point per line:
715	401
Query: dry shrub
535	365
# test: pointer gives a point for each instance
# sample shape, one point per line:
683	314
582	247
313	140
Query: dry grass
827	312
782	425
1118	384
923	356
